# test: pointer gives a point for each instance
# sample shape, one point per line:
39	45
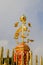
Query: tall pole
30	57
36	60
41	60
8	56
12	63
1	54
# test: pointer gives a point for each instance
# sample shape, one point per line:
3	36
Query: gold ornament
31	40
23	36
16	24
21	31
25	28
29	24
23	19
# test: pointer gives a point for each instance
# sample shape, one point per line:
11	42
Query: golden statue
22	29
22	54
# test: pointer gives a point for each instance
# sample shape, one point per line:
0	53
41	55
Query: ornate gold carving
21	31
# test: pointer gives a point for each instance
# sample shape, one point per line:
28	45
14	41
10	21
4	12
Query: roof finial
21	31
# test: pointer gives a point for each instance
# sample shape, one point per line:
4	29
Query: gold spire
21	31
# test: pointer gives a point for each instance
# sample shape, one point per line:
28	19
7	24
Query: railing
10	61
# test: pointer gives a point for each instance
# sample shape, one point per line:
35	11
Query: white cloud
39	50
4	43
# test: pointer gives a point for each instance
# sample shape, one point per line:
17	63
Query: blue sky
10	11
